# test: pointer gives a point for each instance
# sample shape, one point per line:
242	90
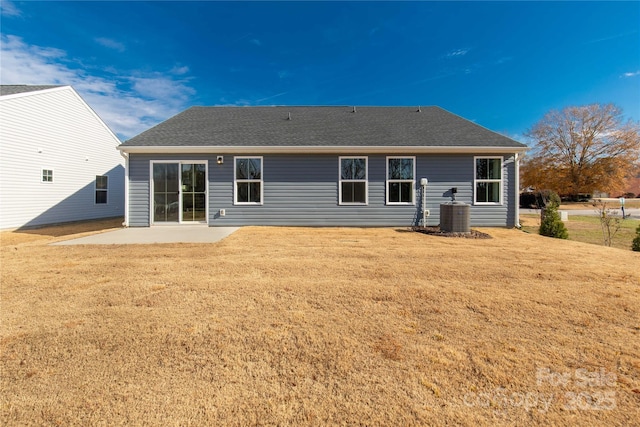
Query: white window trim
42	181
476	180
412	181
96	189
179	163
366	181
236	180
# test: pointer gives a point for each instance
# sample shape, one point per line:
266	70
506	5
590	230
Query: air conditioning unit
455	217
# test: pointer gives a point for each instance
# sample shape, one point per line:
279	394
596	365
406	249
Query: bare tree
609	222
582	149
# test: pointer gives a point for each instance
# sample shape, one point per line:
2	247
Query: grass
299	326
63	231
587	229
612	203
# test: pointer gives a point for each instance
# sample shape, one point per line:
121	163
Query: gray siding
303	190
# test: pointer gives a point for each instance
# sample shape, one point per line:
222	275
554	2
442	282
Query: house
318	166
58	161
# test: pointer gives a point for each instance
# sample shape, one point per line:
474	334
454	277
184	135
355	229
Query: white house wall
55	129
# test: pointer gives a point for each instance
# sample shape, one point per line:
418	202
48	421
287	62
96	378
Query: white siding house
58	160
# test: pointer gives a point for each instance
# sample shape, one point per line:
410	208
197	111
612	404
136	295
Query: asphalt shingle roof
319	126
13	89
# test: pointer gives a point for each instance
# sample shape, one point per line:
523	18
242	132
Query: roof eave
210	149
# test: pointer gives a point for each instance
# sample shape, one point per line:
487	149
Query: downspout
126	188
423	202
516	160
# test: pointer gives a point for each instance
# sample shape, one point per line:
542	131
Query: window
102	186
400	180
47	175
248	180
353	180
488	181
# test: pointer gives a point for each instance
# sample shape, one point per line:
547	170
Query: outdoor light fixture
220	160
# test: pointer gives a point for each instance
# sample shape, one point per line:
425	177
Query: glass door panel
193	207
194	187
165	192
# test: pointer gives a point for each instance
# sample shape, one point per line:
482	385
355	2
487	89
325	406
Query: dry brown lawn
300	326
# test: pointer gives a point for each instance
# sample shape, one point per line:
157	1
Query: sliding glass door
179	192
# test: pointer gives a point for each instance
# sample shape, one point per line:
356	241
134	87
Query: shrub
549	198
635	245
551	224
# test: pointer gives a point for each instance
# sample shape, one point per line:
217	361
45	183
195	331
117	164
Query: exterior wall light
220	160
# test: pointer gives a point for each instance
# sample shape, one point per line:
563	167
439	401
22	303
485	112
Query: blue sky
502	65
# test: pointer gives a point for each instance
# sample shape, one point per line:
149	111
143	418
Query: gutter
255	149
126	187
